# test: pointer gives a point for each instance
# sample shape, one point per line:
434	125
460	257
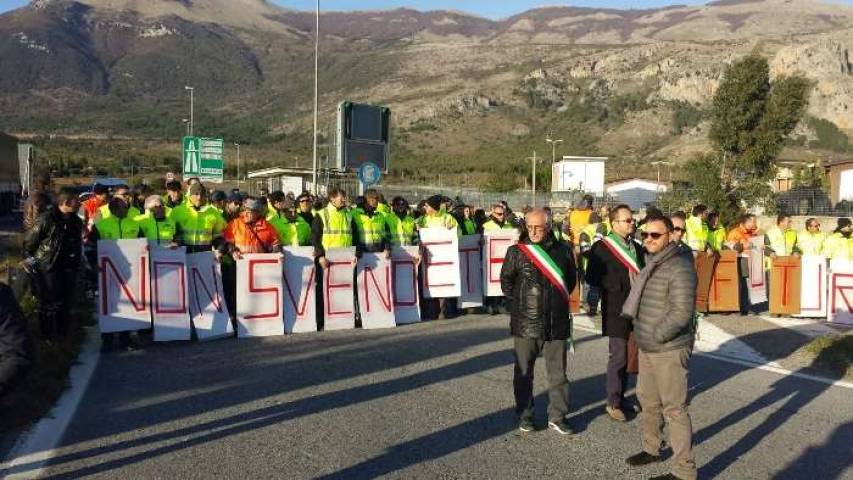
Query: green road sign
203	158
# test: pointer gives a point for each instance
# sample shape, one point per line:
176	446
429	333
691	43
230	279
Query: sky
494	9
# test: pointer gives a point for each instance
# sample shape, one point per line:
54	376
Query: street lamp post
186	123
316	94
192	108
657	165
238	163
553	148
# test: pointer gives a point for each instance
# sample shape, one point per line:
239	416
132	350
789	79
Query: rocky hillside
629	84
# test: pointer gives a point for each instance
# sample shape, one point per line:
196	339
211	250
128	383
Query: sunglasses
679	229
653	235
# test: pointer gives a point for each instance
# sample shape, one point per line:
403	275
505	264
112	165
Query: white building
578	174
636	192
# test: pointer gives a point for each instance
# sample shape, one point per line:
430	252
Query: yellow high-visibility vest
811	243
837	247
401	231
198	226
114	228
161	231
337	227
696	235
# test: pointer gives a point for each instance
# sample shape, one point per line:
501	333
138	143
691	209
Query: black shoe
526	425
668	476
642	458
562	427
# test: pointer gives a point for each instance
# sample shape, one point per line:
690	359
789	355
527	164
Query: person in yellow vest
293	230
839	245
811	240
199	225
371	226
497	220
174	194
219	200
116	226
305	202
462	214
402	230
781	240
698	232
434	217
716	232
579	218
276	201
155	224
123	192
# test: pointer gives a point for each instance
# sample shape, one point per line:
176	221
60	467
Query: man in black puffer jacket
539	317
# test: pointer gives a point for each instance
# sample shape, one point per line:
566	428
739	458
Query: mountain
623	81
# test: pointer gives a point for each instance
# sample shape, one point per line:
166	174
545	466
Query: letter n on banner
757	281
375	297
785	276
123	282
813	287
300	288
496	245
841	292
471	271
440	254
404	275
169	307
208	309
725	287
259	290
338	294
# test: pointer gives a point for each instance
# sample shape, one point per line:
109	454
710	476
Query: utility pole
238	163
657	166
192	108
186	123
553	148
533	190
316	94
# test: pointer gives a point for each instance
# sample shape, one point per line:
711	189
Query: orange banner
785	284
705	274
724	292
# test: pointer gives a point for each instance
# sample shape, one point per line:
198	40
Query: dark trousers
554	352
593	296
617	377
55	290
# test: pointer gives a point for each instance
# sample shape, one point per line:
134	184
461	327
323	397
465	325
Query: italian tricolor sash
545	264
622	253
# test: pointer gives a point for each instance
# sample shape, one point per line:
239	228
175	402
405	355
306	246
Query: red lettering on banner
155	266
255	289
429	264
786	281
495	260
394	272
819	290
300	309
140	306
465	252
840	290
330	286
385	299
716	281
214	297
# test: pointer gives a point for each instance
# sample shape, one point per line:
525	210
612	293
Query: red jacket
258	237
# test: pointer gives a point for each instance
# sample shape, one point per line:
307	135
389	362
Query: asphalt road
432	400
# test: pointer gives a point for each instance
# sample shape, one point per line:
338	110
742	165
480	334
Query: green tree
750	119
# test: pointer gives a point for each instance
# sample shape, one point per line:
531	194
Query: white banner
375	297
338	298
813	287
208	309
404	275
123	283
169	308
471	271
757	281
496	243
840	292
440	253
300	290
259	290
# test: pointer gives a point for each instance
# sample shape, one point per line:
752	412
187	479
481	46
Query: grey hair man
537	278
662	303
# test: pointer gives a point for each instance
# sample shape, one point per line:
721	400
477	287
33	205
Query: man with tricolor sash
537	278
613	263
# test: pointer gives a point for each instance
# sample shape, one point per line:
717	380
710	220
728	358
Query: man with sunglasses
662	304
613	263
304	203
811	241
679	230
123	192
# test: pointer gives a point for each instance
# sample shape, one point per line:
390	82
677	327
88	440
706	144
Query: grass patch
833	352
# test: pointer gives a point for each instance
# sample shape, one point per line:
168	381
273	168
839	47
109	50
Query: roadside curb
34	448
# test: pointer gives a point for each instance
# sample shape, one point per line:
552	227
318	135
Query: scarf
632	304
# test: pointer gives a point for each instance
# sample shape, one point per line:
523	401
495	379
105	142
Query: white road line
33	449
760	366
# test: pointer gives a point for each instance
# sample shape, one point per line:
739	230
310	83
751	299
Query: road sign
204	158
363	136
369	173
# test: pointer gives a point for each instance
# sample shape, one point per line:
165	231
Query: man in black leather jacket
540	321
54	249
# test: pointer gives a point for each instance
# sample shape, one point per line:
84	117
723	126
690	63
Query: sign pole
316	94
